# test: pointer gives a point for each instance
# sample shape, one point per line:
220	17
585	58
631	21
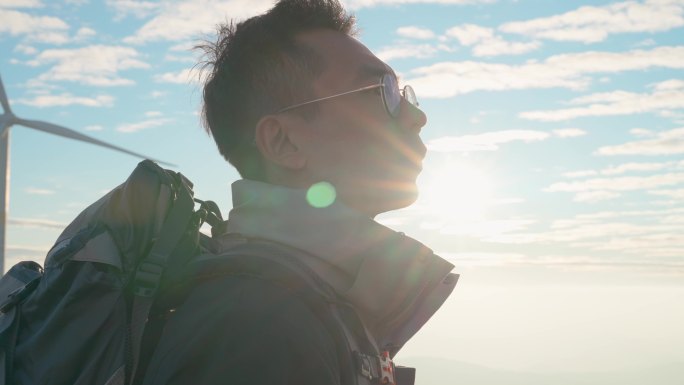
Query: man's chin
397	198
382	196
407	199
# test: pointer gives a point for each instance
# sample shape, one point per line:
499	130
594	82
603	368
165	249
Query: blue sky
554	179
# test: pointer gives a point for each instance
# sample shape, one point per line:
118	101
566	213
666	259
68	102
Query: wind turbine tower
7	120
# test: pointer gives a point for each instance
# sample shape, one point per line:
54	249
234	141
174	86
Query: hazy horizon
554	179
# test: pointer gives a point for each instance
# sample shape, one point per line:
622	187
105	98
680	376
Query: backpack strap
279	263
148	274
268	259
18	283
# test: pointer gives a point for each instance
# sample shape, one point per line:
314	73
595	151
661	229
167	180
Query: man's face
370	158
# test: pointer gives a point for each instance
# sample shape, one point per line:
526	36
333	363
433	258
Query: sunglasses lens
410	95
391	94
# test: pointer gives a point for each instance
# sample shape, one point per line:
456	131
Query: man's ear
272	136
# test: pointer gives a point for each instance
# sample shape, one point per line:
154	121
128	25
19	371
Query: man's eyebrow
375	71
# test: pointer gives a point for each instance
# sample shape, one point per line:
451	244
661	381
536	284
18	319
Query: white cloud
489	141
21	4
595	190
30	222
605	97
627	167
630	183
484	258
49	37
486	43
661	244
186	76
190	18
18	23
407	51
470	34
413	32
641	132
93	127
447	79
648	234
668	85
595	196
675	194
84	33
569	132
662	99
356	4
611	62
580	173
591	24
138	126
96	65
30	251
139	9
508	201
26	49
183	47
180	59
640	237
487	230
646	43
676	116
153	114
38	191
38	29
186	52
564	261
498	46
67	99
665	143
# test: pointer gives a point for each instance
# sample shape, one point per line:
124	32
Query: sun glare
456	192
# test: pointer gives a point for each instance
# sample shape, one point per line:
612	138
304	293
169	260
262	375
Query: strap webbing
11	340
149	272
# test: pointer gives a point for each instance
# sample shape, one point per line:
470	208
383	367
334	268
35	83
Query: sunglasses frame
402	93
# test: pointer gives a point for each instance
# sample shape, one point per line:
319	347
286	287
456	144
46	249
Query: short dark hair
256	68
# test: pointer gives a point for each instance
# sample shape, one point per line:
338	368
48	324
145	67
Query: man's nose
411	117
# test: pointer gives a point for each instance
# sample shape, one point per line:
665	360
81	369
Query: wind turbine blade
71	134
3	99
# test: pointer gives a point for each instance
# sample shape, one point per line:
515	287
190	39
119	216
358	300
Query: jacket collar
395	282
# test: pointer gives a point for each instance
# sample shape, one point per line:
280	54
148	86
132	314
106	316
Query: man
325	140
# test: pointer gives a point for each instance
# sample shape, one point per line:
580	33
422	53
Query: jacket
251	329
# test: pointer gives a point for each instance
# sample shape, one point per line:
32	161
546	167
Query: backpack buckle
378	369
19	295
386	369
147	278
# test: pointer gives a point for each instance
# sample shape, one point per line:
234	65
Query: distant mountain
437	371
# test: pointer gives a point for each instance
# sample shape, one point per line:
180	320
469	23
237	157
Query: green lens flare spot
321	194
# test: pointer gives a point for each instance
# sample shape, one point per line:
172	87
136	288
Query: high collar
395	282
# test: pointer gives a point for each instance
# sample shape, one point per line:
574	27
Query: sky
554	179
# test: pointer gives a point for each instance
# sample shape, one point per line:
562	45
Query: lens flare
321	194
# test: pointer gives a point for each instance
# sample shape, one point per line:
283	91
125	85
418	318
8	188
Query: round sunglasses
390	93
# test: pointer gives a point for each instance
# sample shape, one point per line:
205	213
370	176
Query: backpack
95	312
81	320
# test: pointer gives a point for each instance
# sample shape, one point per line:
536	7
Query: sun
455	192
